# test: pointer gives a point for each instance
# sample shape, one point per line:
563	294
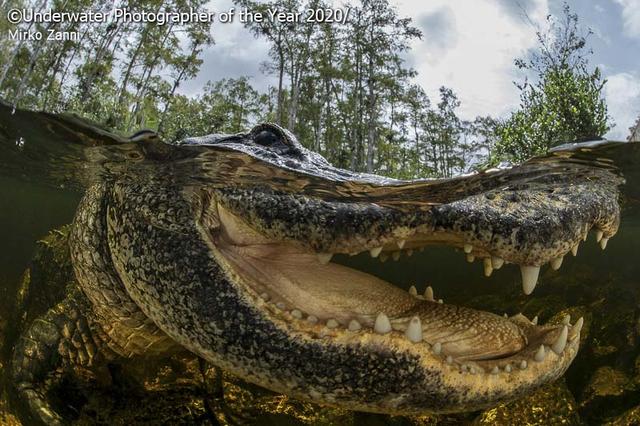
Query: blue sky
470	45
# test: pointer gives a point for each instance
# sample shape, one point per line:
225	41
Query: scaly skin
165	262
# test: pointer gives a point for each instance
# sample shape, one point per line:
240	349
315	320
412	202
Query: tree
564	104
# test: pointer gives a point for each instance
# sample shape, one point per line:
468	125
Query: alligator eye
267	138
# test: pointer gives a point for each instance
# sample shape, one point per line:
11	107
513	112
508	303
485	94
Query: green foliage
344	89
566	102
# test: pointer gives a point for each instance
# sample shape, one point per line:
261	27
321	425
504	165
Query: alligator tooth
529	278
331	323
413	291
507	368
428	294
599	235
534	321
470	258
395	256
410	252
382	325
468	248
556	263
324	258
488	269
495	370
401	243
312	319
523	364
449	359
540	354
574	250
354	325
566	320
440	301
603	243
414	330
505	315
560	343
296	314
577	327
497	262
384	257
436	348
374	252
280	305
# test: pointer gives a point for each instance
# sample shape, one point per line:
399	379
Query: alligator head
234	262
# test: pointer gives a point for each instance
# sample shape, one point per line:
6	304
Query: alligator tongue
332	292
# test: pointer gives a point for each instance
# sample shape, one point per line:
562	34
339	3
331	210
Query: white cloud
622	93
631	17
470	47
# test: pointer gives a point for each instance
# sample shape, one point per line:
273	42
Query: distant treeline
344	89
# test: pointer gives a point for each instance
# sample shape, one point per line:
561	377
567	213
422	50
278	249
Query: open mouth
319	299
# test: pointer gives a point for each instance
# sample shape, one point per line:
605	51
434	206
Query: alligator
224	245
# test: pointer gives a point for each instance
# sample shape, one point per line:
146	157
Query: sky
470	46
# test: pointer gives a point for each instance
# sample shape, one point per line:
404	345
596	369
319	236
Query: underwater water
46	163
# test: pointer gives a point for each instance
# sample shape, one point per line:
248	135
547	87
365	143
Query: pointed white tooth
488	269
599	235
560	343
529	278
414	330
603	243
584	237
436	348
507	368
382	325
497	262
566	320
428	294
296	314
449	359
384	257
312	319
523	364
468	248
534	321
577	327
574	250
324	258
409	252
331	323
354	325
440	301
396	256
540	354
556	263
470	258
495	370
413	291
401	243
374	252
505	315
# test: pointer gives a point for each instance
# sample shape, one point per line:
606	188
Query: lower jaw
367	308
